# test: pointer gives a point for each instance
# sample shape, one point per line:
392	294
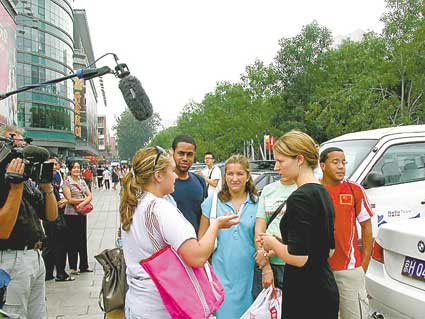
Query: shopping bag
268	305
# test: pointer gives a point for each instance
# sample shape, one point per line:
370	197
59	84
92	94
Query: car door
401	195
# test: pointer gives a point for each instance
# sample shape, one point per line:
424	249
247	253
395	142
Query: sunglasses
160	151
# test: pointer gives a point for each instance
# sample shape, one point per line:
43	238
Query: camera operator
22	205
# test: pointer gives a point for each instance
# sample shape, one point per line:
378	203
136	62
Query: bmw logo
421	246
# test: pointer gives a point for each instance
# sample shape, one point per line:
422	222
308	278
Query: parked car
390	164
395	280
261	165
262	179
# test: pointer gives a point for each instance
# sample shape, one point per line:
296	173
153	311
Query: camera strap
14	178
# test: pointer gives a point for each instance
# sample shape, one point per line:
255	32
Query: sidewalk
79	299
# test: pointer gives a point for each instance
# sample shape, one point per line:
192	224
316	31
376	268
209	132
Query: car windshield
355	151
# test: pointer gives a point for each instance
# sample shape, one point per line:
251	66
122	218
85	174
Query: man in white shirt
212	174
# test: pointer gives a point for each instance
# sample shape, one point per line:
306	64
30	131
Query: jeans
26	293
257	285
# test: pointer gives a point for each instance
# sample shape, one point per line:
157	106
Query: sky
180	49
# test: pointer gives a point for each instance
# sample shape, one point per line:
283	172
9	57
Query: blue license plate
414	268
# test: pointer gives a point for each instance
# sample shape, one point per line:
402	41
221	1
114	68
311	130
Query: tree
404	23
165	137
132	134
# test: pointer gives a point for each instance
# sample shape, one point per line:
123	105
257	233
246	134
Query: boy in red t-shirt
348	263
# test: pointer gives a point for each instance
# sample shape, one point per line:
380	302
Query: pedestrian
212	174
78	195
88	176
310	290
107	178
120	175
269	270
54	250
22	205
190	190
233	259
100	177
115	177
94	173
348	264
151	178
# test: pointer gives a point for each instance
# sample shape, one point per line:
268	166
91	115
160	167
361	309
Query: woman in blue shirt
233	260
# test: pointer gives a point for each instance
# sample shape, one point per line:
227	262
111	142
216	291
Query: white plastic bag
268	305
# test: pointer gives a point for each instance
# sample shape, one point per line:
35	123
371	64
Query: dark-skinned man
348	263
190	188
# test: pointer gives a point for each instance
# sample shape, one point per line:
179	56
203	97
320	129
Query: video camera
34	158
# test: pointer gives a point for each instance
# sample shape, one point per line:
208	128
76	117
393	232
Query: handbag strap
213	212
276	212
78	187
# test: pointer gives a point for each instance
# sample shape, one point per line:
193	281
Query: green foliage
132	134
165	137
324	90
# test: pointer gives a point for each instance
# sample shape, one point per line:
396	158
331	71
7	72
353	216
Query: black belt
31	246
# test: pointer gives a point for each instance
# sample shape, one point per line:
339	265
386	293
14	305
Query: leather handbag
85	209
187	292
114	283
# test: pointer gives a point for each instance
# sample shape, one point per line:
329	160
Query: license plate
414	268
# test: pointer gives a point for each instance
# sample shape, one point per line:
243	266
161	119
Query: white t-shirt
215	173
142	296
106	174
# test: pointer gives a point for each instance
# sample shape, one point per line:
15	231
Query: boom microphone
135	97
88	74
35	154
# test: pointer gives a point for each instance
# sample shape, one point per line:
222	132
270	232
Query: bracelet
267	272
49	192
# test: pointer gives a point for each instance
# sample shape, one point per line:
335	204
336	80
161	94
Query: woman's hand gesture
227	221
267	241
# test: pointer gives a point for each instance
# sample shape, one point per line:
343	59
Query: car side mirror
374	179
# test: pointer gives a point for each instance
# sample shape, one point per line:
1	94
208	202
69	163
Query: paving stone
78	299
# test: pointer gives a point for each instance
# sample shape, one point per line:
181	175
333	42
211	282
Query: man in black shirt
22	205
190	188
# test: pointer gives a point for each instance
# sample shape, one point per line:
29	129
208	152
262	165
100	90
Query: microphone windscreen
35	154
135	97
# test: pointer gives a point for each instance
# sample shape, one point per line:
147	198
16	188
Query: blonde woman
151	179
307	230
233	259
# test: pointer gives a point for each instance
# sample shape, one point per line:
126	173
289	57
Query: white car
395	280
390	164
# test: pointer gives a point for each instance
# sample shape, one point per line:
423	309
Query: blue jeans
257	285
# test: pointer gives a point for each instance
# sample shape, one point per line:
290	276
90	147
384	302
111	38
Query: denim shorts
257	285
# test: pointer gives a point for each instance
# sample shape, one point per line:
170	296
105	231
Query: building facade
8	106
45	50
103	135
85	93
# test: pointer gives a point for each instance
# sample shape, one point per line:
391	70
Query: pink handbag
187	292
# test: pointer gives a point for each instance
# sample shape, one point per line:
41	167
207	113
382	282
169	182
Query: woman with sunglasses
151	179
